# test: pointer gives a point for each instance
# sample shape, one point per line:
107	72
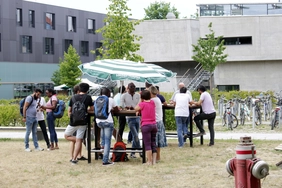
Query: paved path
19	132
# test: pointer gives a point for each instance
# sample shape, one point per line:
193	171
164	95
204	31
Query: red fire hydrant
247	169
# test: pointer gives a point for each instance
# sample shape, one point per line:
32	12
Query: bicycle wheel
242	117
223	120
234	121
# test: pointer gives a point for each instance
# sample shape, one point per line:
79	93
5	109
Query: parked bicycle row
252	108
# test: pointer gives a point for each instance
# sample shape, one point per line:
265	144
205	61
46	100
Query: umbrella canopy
91	84
118	69
163	71
61	87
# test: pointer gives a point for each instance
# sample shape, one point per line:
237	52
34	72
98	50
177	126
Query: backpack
78	111
119	156
22	104
101	107
58	112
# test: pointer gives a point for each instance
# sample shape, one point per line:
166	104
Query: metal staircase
199	77
105	83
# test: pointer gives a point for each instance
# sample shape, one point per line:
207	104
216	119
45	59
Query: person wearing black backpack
79	105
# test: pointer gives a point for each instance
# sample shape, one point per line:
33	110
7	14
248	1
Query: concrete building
252	37
34	36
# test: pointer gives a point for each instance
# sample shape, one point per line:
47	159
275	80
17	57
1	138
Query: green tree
210	52
118	40
56	77
69	71
159	10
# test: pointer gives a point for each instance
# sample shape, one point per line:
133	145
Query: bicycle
275	114
244	111
228	117
257	114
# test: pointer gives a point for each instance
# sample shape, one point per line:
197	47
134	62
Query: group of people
34	113
147	102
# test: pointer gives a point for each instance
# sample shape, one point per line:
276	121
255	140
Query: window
50	21
228	87
84	48
67	44
71	24
91	26
19	17
97	45
49	46
26	42
31	18
237	40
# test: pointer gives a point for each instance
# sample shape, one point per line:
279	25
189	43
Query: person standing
148	125
129	100
163	101
107	127
29	117
121	119
161	135
180	85
208	113
41	120
79	129
49	107
181	102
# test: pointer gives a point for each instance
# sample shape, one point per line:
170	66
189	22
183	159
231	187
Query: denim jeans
182	128
31	126
106	136
51	127
134	124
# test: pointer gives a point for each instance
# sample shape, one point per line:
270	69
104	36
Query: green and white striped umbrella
162	70
118	69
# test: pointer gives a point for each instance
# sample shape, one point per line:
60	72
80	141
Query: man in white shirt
180	85
129	100
208	113
181	111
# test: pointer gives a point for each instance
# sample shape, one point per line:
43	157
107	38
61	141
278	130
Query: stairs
199	77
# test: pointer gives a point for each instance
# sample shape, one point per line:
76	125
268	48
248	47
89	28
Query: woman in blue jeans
49	107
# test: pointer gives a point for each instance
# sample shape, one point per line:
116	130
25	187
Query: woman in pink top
49	107
148	125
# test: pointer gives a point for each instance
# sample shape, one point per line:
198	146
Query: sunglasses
131	86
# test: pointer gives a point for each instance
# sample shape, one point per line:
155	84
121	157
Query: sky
185	7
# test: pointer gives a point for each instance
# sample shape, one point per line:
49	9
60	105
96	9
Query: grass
197	167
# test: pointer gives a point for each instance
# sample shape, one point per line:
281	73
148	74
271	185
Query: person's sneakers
82	158
141	155
128	142
132	156
210	144
108	163
73	162
185	136
39	149
201	133
28	150
100	156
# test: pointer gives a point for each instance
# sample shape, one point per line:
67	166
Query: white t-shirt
182	104
39	113
110	118
207	105
159	108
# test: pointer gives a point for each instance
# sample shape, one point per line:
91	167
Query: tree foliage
118	40
159	10
210	51
56	77
69	71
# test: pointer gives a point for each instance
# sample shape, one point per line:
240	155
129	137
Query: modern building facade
34	36
253	44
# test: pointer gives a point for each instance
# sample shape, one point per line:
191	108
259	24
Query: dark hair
83	87
183	90
105	91
50	90
147	85
75	89
121	89
36	90
201	88
157	88
146	95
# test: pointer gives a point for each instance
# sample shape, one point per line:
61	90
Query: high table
119	113
191	136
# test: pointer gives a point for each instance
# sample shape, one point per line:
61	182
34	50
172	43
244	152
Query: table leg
191	127
89	139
